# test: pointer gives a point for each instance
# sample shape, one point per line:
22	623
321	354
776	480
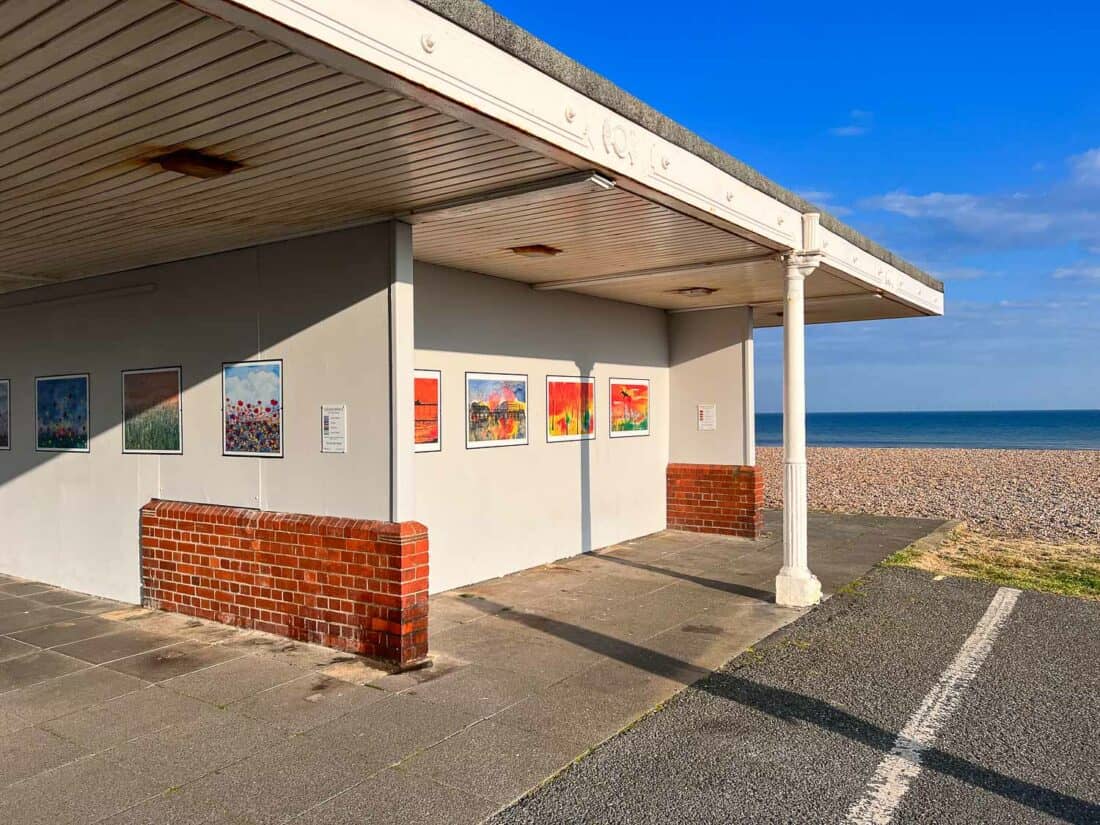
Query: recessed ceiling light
695	291
196	164
537	250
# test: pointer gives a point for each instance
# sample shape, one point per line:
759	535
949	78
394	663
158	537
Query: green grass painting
151	411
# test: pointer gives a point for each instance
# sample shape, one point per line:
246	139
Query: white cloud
1079	271
859	123
823	199
961	273
1085	168
253	384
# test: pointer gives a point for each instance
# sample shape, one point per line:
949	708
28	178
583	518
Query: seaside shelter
312	307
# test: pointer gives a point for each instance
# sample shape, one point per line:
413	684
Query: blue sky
964	137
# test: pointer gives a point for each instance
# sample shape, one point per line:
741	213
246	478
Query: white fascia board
429	59
850	262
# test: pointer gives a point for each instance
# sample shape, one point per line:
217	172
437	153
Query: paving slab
399	796
69	693
63	632
234	680
280	782
128	716
82	791
31	751
174	660
24	588
12	649
36	667
117	645
387	732
34	616
307	702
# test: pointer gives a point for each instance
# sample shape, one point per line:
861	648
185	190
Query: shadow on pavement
713	584
788	705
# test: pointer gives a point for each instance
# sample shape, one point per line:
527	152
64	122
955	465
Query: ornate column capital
801	263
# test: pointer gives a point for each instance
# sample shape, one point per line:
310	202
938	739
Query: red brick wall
360	586
716	498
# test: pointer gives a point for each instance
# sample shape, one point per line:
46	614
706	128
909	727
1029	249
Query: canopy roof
318	115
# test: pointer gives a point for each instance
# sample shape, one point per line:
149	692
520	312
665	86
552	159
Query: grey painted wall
492	511
319	303
705	350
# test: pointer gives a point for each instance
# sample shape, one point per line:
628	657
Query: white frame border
178	370
87	376
498	376
611	432
282	407
571	379
437	447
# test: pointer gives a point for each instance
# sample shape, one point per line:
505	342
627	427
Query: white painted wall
319	303
706	351
493	511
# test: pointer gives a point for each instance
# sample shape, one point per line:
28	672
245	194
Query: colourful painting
61	414
252	418
496	409
426	393
5	414
570	408
629	407
152	411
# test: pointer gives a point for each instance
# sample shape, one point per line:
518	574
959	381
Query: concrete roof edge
480	19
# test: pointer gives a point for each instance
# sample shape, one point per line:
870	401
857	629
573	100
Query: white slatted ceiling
91	89
598	232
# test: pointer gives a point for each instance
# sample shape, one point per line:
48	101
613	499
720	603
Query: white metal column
402	364
795	586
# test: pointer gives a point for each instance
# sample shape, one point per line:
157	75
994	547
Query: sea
1005	430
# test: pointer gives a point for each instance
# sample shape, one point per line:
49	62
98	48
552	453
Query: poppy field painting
152	411
5	414
427	417
496	410
252	415
629	407
61	414
570	408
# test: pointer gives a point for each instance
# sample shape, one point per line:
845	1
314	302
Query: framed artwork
570	408
5	414
629	407
62	423
496	410
428	410
252	412
152	411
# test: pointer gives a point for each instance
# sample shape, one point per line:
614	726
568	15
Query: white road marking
902	765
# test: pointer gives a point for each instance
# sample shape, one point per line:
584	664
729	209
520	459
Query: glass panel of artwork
252	417
61	414
426	392
629	407
152	411
570	408
5	414
496	409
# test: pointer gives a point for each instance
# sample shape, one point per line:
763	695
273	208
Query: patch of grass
1066	569
853	589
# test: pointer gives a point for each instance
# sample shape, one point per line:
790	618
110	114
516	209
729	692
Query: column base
797	588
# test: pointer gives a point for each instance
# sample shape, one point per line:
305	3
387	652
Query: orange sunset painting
570	408
426	398
629	407
496	409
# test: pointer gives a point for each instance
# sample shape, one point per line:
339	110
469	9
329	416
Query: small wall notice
352	584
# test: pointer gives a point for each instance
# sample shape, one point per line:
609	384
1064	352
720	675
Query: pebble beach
1049	495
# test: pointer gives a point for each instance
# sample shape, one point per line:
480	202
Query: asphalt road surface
909	700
